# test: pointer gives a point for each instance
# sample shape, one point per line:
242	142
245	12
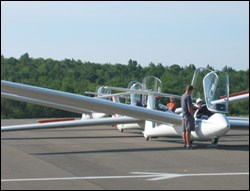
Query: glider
215	92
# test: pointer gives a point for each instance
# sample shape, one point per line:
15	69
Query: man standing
187	116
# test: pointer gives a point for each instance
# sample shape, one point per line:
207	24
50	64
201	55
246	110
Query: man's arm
190	109
190	106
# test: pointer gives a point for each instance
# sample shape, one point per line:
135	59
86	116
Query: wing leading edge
87	103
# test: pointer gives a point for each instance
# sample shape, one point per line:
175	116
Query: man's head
199	102
189	89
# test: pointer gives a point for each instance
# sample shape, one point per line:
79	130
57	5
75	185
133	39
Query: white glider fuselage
214	127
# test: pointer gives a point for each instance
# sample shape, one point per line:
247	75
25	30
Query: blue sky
183	33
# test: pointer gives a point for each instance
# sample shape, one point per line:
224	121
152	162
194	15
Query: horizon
181	66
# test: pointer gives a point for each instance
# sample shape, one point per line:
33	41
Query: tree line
75	76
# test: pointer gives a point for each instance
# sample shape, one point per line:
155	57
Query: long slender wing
238	123
107	95
76	123
44	103
233	98
87	103
144	92
238	98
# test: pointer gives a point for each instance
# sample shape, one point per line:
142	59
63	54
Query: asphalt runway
102	158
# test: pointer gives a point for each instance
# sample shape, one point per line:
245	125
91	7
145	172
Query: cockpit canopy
213	87
152	83
135	97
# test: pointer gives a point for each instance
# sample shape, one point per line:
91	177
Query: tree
77	77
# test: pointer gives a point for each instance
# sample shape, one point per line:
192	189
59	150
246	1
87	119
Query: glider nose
222	124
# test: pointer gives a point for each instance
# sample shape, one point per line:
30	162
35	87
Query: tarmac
103	158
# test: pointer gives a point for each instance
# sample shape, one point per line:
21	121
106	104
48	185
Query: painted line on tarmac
151	175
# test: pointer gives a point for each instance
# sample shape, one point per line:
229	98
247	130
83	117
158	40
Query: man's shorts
188	123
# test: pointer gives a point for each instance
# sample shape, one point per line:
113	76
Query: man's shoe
189	147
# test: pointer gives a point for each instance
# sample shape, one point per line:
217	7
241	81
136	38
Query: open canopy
215	84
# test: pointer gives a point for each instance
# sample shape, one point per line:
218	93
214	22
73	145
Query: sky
202	33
